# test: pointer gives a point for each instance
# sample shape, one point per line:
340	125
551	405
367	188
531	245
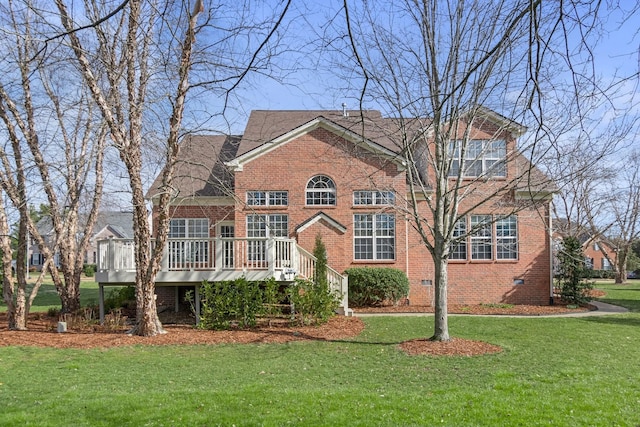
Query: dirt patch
42	332
454	347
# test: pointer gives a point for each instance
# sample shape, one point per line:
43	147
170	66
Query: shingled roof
200	170
204	160
267	125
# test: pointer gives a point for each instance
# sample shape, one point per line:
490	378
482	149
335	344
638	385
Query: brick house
252	205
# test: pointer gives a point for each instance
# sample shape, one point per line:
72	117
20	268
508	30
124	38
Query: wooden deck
188	262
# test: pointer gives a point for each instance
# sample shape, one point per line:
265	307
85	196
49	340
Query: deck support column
197	297
101	302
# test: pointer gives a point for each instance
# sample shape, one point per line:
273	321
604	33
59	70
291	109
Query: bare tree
55	149
621	206
443	62
142	51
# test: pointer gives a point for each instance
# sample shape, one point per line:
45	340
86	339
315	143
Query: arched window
321	190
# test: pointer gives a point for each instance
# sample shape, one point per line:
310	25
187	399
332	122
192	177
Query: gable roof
267	130
267	125
200	169
206	162
321	216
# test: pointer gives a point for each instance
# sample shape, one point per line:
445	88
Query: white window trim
329	190
484	157
377	197
374	237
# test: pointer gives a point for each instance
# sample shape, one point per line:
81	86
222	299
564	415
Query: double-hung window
374	236
481	237
459	244
267	198
489	238
481	158
507	238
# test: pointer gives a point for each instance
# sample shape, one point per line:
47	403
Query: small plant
313	303
53	312
497	305
114	321
89	270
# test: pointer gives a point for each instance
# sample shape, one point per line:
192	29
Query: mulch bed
42	332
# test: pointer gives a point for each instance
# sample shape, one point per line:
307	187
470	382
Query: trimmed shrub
372	286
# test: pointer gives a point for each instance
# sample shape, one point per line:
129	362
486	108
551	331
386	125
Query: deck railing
204	254
222	255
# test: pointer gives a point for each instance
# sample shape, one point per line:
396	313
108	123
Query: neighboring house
594	250
108	225
252	206
594	247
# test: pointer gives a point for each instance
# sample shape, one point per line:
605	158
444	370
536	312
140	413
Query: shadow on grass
613	320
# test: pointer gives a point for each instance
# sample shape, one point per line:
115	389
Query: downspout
551	257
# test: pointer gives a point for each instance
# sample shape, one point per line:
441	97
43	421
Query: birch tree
54	152
145	49
434	66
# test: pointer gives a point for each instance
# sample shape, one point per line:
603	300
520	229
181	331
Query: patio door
226	230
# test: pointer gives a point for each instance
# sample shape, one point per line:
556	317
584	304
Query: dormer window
481	158
321	191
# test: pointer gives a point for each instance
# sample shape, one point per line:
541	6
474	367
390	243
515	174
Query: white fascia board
238	163
325	217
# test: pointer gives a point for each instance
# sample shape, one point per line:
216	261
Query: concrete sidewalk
602	309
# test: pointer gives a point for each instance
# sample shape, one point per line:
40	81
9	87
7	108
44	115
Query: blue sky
615	48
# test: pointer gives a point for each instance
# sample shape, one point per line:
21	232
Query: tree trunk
621	270
147	264
441	321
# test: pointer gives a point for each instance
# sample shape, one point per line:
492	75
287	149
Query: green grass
627	295
48	296
553	371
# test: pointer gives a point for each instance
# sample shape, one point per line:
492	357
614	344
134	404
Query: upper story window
481	158
374	198
321	190
267	198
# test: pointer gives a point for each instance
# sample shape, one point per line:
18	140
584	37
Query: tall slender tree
143	49
433	66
